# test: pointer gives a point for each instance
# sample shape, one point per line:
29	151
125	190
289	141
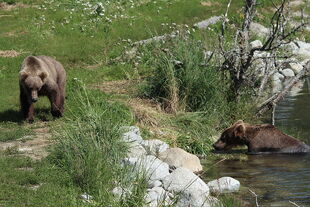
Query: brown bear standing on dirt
259	138
41	76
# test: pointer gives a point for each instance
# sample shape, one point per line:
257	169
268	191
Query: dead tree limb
239	59
273	100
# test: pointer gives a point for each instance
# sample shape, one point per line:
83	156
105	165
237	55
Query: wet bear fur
259	139
41	76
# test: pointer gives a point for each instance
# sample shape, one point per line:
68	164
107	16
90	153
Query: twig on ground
256	197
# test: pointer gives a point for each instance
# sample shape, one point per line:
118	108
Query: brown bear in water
41	76
259	138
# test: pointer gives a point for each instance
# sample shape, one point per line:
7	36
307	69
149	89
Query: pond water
276	179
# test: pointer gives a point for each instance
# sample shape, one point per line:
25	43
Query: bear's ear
239	130
32	61
238	122
43	76
23	75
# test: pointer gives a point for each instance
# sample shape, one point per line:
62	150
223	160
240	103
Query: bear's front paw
56	113
30	120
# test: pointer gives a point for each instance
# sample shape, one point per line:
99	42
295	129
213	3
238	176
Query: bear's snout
216	147
34	96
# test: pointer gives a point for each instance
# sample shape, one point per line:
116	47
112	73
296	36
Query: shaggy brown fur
259	138
41	76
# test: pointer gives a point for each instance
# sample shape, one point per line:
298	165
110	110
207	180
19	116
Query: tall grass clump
89	146
181	80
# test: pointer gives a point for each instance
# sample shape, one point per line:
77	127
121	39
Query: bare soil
34	147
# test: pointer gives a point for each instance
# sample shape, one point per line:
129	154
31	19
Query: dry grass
9	53
9	7
209	4
115	87
149	114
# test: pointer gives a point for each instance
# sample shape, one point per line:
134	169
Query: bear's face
233	136
33	84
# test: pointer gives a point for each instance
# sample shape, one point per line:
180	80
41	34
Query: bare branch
291	202
269	103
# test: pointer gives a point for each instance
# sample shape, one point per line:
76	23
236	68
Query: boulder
276	86
303	50
206	23
131	134
224	185
157	196
153	168
258	29
256	44
296	67
136	150
154	146
277	76
189	188
176	157
155	183
288	73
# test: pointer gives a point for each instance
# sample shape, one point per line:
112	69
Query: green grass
19	175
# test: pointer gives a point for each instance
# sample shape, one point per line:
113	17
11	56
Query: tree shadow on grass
11	115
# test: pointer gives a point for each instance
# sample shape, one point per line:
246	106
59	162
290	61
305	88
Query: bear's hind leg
54	98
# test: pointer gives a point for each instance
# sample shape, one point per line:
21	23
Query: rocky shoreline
170	174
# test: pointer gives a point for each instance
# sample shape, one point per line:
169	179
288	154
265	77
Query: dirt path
33	146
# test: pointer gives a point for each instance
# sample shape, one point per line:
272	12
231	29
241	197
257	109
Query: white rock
130	161
224	185
176	157
303	50
157	196
120	192
86	197
288	73
277	76
133	129
155	183
258	29
154	146
192	191
136	150
276	86
296	67
204	24
132	137
303	53
153	168
256	44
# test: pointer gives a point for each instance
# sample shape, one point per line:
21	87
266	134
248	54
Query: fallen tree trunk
273	100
